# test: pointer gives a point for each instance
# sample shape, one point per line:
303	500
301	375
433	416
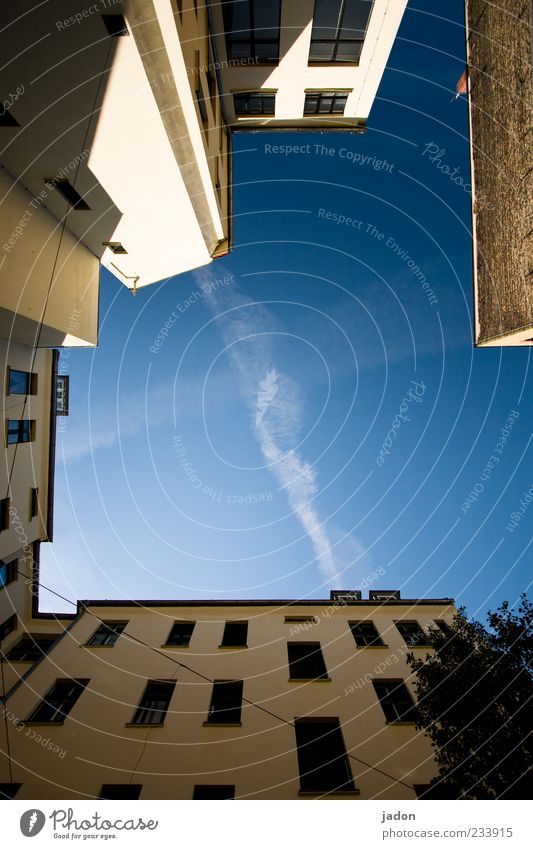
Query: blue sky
314	414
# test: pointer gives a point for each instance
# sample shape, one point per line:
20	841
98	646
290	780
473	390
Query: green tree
475	700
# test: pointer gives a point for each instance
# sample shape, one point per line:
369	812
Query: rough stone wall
499	61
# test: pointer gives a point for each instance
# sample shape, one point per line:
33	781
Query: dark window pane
412	633
214	791
31	648
396	701
8	572
115	25
120	791
180	634
8	626
226	702
19	430
235	634
365	634
355	18
7	119
339	28
19	382
69	193
306	661
4	514
322	758
58	702
154	703
107	634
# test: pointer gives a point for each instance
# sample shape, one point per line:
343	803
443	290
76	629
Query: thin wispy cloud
276	408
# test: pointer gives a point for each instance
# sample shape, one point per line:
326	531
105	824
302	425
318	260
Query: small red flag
461	87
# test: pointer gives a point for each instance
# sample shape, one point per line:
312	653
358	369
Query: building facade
315	64
238	699
500	89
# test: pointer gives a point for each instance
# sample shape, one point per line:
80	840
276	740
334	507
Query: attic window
345	595
115	25
384	595
7	119
69	193
116	247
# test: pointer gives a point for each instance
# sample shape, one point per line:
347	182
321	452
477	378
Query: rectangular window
226	703
325	103
339	28
8	626
32	647
4	514
214	791
180	634
412	633
383	595
59	701
34	502
69	193
9	791
312	619
396	701
249	103
322	758
22	382
20	430
115	25
306	661
365	634
8	572
252	30
62	394
235	635
154	704
107	634
120	791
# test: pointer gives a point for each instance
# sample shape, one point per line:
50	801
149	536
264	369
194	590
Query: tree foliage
475	700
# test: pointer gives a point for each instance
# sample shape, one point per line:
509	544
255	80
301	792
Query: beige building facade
238	699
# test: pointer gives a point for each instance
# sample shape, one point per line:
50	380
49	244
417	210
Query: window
22	382
59	701
34	502
180	634
69	193
339	28
365	634
384	595
322	758
32	647
115	25
226	702
62	394
325	103
120	791
107	634
8	626
396	701
9	791
412	633
7	119
312	619
4	514
210	73
254	103
8	572
306	661
154	703
214	791
344	596
20	430
235	634
252	30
